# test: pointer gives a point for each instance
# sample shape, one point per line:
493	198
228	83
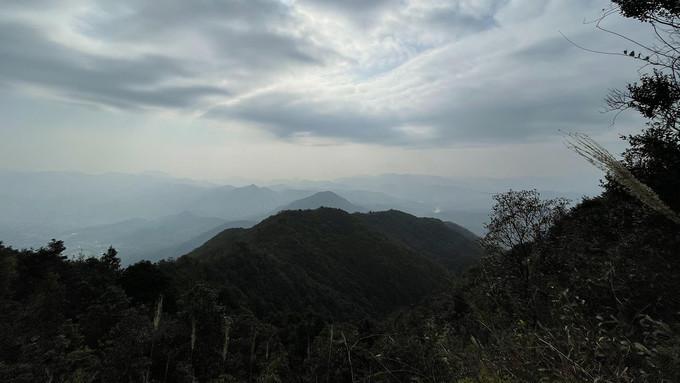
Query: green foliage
649	10
324	259
451	246
277	303
311	296
250	305
587	294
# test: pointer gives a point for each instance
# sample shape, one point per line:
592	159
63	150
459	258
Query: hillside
462	230
325	260
178	249
444	242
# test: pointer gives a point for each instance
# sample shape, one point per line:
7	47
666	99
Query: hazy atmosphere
339	191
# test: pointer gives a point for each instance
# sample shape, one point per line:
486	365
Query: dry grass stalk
193	334
598	156
225	346
159	310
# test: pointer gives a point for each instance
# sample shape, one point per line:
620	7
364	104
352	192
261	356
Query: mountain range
156	216
340	264
178	234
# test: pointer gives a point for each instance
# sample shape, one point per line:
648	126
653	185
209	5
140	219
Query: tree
144	282
650	170
110	259
205	320
520	221
654	154
125	352
619	176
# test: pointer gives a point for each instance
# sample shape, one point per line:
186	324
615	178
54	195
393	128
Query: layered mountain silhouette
323	199
338	264
137	239
245	202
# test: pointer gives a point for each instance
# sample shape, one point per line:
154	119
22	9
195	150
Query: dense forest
555	292
248	304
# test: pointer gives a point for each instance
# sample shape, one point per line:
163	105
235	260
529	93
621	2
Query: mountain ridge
335	262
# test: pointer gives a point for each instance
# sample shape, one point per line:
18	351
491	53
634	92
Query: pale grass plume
601	158
159	311
193	334
227	328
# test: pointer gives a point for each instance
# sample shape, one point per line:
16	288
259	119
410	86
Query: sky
308	89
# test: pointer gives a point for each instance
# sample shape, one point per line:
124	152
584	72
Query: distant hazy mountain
472	219
441	189
178	249
464	200
323	199
244	202
428	191
138	238
462	231
366	199
35	206
73	200
337	263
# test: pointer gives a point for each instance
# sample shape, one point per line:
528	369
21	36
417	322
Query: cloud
515	80
135	54
293	115
358	10
30	58
242	35
390	72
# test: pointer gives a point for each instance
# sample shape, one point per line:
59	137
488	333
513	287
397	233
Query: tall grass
601	158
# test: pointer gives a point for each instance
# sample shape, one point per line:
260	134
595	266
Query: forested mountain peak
324	253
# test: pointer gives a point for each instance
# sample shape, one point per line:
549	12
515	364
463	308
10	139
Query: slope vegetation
326	260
